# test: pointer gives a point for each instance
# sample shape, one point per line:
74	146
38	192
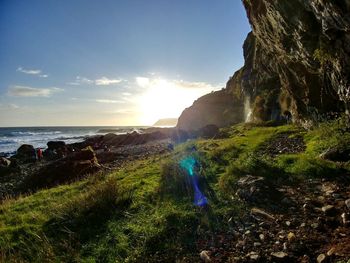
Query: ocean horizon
11	138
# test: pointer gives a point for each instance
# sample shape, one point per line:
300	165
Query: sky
113	62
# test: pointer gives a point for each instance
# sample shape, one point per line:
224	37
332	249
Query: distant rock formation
168	122
297	66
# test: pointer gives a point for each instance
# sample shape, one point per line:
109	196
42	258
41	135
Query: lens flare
189	165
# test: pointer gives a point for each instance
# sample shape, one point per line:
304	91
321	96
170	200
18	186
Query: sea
12	138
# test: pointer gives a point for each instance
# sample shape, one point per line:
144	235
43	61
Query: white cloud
106	81
142	81
29	71
127	94
80	80
194	85
147	82
109	101
36	72
25	91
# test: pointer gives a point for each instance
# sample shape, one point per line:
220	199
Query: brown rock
321	258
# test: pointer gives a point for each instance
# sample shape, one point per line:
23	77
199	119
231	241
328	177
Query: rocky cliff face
297	65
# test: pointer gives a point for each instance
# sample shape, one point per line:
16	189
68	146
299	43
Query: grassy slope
143	212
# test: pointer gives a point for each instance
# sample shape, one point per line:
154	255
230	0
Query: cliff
297	65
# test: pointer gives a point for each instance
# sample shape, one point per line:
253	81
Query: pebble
347	203
329	210
331	251
321	258
345	218
280	254
288	223
302	225
285	246
205	256
257	244
314	225
261	214
291	236
253	255
262	237
240	243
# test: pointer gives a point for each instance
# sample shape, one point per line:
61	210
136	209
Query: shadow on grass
85	218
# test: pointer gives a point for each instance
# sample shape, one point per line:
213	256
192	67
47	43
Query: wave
32	133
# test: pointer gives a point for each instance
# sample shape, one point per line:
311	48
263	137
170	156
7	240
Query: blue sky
113	62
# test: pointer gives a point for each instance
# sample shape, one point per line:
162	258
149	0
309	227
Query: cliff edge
297	66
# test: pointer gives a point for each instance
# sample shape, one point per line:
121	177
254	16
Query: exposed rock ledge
297	66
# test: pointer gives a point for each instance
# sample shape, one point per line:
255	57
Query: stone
345	218
347	203
240	244
261	214
256	244
291	236
288	223
26	153
314	225
285	247
321	258
204	255
331	252
336	155
253	255
64	170
55	145
279	255
262	237
4	162
329	210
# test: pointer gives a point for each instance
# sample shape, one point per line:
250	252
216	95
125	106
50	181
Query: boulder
5	166
56	150
258	190
55	145
64	170
26	153
4	162
336	155
209	131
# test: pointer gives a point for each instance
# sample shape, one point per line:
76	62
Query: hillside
290	207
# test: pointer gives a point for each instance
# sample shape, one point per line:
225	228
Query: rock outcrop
25	153
297	66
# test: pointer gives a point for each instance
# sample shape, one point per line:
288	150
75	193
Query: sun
165	99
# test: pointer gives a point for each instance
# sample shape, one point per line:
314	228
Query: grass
144	212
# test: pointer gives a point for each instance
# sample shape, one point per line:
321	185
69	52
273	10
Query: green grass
145	210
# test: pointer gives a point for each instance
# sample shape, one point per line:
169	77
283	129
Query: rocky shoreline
62	163
26	171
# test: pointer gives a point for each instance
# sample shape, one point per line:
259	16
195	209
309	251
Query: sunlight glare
166	99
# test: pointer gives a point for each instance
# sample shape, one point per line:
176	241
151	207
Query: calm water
12	138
